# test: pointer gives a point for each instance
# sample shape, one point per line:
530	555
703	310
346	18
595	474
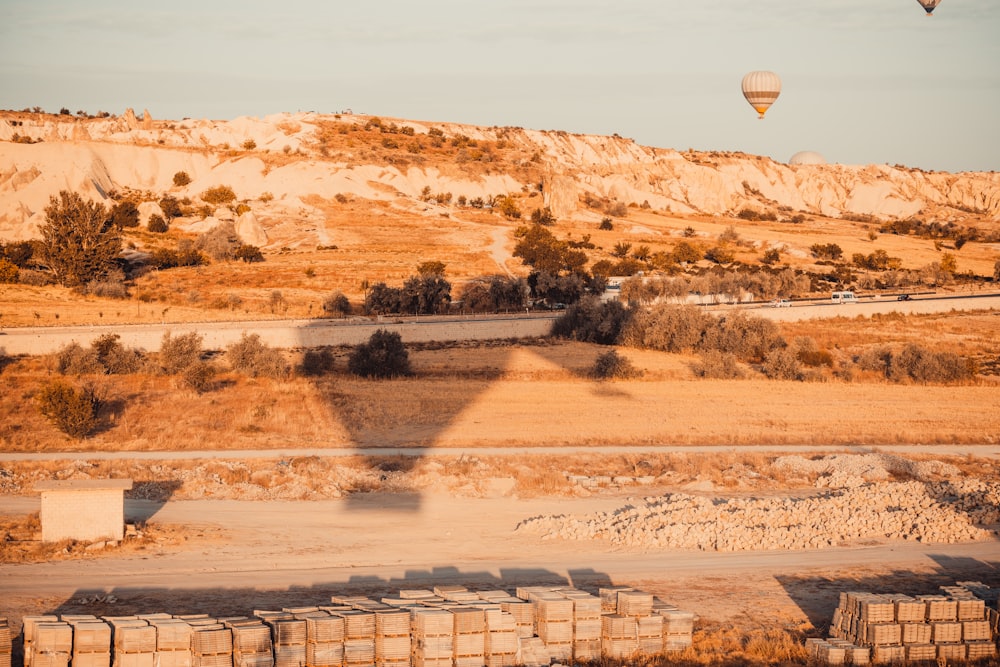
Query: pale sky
864	81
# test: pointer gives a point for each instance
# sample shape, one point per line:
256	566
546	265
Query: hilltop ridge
291	161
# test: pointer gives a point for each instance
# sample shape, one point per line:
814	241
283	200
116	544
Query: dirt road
301	552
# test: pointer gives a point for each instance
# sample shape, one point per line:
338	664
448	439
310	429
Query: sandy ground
241	556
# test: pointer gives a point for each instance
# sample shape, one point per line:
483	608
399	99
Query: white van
844	297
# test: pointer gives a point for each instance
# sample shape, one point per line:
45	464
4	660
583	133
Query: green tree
80	242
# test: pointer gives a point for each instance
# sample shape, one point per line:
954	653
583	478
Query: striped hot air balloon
929	5
761	90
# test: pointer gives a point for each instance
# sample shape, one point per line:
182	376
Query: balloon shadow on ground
504	335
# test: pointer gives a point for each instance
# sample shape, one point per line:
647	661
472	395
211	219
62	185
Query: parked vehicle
844	297
903	297
781	303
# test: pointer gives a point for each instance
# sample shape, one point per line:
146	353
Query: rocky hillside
286	163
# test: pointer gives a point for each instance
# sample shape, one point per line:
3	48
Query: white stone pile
935	512
449	626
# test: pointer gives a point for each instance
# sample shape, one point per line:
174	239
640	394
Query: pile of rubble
938	512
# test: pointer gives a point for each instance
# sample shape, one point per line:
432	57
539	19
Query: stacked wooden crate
678	628
523	613
650	634
619	636
432	633
28	625
91	642
501	637
586	625
554	623
534	653
392	638
325	633
211	643
251	642
52	644
134	641
173	642
359	637
470	636
6	643
288	639
924	627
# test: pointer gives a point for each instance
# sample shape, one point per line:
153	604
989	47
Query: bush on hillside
316	362
177	353
73	411
383	356
592	321
613	366
715	365
219	195
181	178
251	356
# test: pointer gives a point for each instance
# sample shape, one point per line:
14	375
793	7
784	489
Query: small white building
83	509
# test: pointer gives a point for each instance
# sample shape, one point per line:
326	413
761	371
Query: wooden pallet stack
586	625
52	644
501	637
173	642
534	653
392	638
91	642
211	643
678	628
554	623
6	643
325	633
619	636
133	640
954	626
28	633
359	637
523	613
470	636
251	642
650	634
432	633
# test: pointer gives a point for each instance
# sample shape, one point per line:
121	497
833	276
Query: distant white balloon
929	5
807	157
761	90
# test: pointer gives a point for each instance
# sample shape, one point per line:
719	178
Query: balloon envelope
761	90
807	157
929	5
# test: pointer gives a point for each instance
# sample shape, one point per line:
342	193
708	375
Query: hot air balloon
929	5
761	90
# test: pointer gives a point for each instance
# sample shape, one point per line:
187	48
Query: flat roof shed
83	509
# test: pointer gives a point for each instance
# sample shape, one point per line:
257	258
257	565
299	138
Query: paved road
317	333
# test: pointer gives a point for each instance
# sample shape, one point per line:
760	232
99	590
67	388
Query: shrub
111	287
809	354
219	195
125	214
249	145
248	253
613	366
717	365
199	376
666	327
79	242
748	337
748	214
592	321
177	353
115	357
607	224
9	273
781	364
72	411
383	356
921	365
826	251
337	304
157	224
181	179
220	243
317	362
170	207
251	356
720	254
74	359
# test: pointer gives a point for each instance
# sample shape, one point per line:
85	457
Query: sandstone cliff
284	156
